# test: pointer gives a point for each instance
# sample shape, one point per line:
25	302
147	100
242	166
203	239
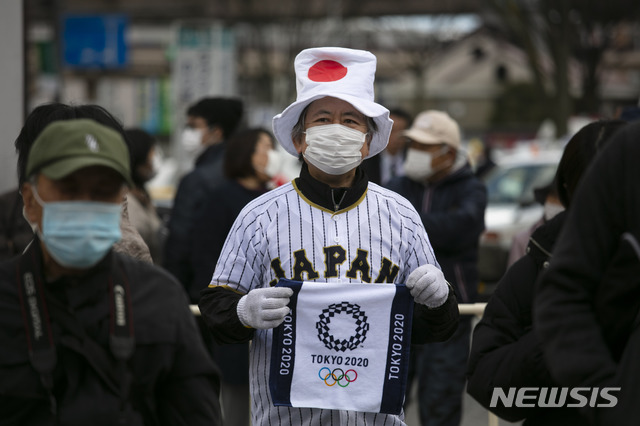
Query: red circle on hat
327	70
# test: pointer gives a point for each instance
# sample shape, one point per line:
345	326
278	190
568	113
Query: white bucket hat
341	73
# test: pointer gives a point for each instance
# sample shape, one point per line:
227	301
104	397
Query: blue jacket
452	211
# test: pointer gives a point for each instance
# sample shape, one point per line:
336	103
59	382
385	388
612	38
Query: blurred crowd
564	313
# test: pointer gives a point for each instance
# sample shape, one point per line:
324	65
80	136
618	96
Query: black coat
505	351
452	211
213	222
587	302
189	198
174	382
15	232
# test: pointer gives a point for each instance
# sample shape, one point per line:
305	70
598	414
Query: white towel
343	346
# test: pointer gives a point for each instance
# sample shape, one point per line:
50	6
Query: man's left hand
428	286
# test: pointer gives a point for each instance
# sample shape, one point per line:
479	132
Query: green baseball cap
69	145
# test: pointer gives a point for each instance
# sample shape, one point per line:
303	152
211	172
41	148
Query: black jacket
452	211
212	224
15	232
187	203
505	351
587	302
174	382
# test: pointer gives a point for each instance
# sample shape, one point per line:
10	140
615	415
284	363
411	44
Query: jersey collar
328	198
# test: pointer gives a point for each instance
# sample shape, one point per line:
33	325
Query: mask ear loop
36	195
34	226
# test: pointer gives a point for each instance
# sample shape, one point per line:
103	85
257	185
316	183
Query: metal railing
476	309
464	308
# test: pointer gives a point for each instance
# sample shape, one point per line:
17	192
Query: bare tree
558	32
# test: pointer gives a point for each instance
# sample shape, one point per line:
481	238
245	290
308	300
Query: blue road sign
95	41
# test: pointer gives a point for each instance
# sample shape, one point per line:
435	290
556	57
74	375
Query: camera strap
39	306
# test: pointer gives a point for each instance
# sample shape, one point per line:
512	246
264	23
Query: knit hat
346	74
434	127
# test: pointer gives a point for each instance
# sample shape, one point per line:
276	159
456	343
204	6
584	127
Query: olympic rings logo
338	375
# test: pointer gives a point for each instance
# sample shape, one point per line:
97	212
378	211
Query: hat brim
423	137
283	123
66	166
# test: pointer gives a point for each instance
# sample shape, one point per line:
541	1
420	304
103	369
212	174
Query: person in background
485	162
248	168
586	305
451	202
142	213
131	243
389	163
506	351
89	336
546	196
210	123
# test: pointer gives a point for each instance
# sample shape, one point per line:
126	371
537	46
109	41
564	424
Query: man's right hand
264	308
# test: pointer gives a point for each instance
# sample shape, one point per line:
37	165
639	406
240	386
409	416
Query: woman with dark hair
249	165
248	161
505	351
142	213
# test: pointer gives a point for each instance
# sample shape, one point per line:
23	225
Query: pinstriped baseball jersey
378	239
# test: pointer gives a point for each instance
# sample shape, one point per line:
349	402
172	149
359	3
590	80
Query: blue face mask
78	234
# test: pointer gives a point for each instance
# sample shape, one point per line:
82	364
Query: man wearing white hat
451	201
330	215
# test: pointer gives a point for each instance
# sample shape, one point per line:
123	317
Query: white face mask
274	163
552	209
191	140
334	148
417	165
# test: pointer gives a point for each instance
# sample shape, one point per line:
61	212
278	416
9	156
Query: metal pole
464	308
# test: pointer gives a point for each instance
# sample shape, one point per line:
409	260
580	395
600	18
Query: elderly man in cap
90	336
332	214
451	201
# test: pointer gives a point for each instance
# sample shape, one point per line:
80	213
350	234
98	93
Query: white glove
427	286
264	308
